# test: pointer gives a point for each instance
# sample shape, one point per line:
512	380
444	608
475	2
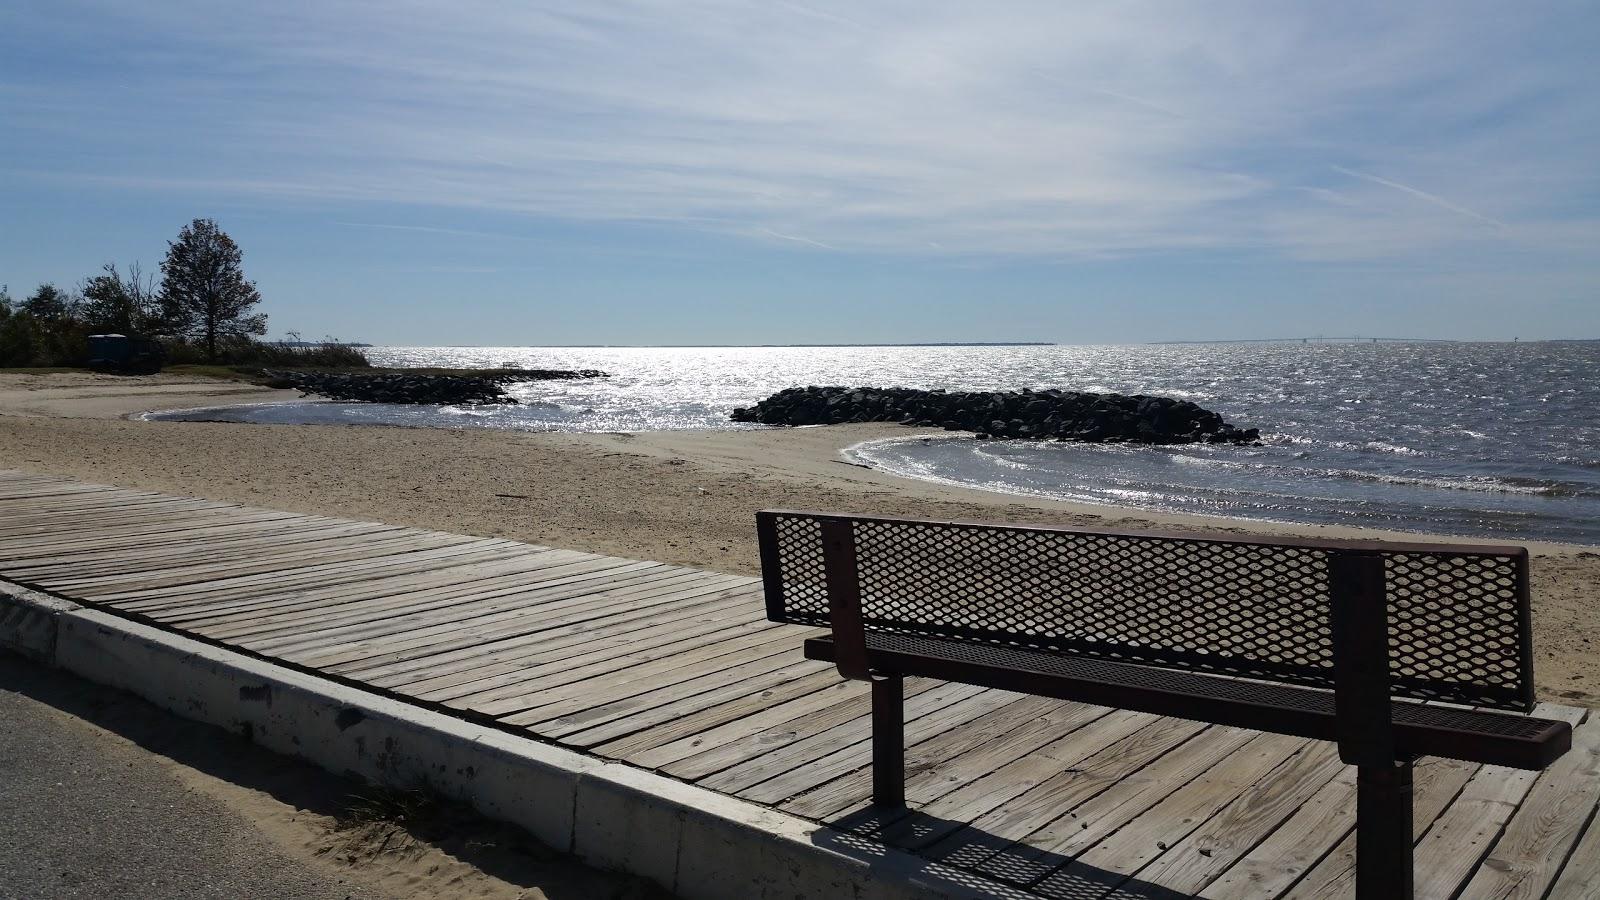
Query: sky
706	172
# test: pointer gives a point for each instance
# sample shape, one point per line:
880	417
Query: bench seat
1494	738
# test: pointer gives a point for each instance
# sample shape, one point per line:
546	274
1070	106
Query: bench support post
889	741
1383	831
1364	722
850	639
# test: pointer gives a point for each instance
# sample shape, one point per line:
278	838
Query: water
1495	440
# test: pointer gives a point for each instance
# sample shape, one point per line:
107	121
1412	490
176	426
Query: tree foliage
124	304
50	304
204	295
42	330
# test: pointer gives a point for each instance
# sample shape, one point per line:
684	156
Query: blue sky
710	172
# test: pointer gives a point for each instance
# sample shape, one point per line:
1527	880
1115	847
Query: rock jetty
1033	415
418	387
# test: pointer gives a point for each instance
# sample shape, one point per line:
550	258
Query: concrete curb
30	621
695	842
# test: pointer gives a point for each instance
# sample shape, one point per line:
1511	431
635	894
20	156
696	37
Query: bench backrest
1458	616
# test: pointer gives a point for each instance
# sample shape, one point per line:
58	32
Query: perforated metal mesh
1457	621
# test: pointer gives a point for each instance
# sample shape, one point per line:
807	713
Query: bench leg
1383	831
888	741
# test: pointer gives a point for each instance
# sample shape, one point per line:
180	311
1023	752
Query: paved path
89	815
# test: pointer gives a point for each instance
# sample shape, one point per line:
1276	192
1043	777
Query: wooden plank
1435	784
562	631
773	751
231	578
506	694
264	566
997	833
111	524
948	766
1102	825
1147	835
710	688
428	611
614	735
1529	855
528	704
705	623
1463	834
147	554
384	606
45	545
579	604
1294	847
312	575
1580	879
332	599
995	779
807	776
686	734
1189	864
395	595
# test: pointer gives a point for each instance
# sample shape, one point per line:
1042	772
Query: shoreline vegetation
201	321
202	310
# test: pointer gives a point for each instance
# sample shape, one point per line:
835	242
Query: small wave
988	455
1483	484
1385	447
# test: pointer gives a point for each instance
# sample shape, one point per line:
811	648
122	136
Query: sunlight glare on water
1490	439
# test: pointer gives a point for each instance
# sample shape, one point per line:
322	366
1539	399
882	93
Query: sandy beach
681	497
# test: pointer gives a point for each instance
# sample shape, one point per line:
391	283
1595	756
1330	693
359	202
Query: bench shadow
979	860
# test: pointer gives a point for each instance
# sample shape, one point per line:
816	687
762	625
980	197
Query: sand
680	497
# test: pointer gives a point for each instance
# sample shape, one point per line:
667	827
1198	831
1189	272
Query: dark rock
1064	415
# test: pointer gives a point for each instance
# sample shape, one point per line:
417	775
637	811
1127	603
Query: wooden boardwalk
677	670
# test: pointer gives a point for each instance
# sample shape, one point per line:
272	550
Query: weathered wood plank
997	837
1529	855
1313	832
968	770
847	759
1190	864
1435	784
699	730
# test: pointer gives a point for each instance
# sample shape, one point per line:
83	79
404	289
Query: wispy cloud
795	238
1035	130
1417	192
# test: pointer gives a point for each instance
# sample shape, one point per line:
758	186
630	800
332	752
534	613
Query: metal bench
1393	650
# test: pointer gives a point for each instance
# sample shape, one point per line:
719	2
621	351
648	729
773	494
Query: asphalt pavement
84	814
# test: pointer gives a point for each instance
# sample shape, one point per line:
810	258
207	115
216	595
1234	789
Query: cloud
1021	130
795	238
1416	192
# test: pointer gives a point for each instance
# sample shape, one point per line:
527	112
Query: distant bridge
1320	339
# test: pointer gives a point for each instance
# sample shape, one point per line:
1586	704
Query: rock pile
445	390
506	376
1035	415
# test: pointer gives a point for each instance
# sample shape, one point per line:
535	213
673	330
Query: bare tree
114	302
